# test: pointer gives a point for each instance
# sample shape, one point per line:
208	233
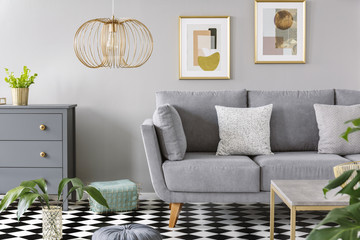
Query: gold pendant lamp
112	42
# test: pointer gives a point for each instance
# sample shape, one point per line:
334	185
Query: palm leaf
76	182
25	202
62	184
41	183
11	196
96	195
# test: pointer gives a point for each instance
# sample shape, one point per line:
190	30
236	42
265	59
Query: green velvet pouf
121	195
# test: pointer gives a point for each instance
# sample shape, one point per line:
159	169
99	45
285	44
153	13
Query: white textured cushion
331	119
170	132
244	130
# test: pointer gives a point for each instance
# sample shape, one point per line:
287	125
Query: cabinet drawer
12	177
27	126
27	154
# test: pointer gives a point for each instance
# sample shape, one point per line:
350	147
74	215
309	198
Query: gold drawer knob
42	127
42	154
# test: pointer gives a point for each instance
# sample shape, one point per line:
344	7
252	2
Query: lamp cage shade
114	43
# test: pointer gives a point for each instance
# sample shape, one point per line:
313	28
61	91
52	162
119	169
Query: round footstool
127	232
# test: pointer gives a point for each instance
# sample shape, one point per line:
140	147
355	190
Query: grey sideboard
36	141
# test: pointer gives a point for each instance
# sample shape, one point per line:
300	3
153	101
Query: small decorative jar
52	223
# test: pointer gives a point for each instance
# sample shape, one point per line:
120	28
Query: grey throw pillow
244	130
170	132
331	119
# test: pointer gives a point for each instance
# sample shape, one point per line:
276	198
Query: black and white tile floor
196	221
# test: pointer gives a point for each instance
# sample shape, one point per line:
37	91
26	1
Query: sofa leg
174	214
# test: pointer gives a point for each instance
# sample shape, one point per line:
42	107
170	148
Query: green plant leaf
348	131
349	187
76	182
72	190
11	196
41	183
25	202
62	184
355	122
96	195
337	181
24	81
348	224
45	197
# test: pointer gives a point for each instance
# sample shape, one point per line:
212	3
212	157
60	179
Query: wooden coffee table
303	195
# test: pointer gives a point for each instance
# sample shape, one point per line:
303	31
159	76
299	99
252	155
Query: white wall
112	103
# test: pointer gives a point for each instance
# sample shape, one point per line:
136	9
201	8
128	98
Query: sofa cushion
353	157
244	131
170	132
296	165
206	172
198	115
293	124
331	122
347	97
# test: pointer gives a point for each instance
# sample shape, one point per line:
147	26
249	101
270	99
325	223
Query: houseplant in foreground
346	220
32	190
20	86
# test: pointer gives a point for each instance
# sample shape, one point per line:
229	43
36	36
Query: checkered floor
197	221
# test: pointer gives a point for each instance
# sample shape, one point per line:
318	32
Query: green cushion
121	195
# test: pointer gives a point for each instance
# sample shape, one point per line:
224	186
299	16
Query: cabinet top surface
39	106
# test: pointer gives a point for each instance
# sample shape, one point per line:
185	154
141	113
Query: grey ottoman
127	232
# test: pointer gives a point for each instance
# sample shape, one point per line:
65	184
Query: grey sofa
204	177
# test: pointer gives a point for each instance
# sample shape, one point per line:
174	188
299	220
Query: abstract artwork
280	31
204	47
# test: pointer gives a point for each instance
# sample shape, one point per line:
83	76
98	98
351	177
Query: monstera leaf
345	222
348	224
349	130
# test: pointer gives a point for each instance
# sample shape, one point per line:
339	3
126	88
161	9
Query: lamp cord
113	7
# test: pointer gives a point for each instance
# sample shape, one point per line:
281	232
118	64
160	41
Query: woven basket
341	168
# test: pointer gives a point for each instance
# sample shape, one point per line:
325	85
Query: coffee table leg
292	223
272	213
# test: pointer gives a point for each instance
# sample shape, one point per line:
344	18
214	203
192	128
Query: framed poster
280	29
204	47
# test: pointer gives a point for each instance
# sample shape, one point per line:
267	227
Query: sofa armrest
154	159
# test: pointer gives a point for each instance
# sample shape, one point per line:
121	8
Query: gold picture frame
273	54
218	30
2	101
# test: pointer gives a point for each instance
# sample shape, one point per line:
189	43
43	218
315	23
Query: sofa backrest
198	114
347	97
293	121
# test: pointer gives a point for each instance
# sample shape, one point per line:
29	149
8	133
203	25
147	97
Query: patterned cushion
331	119
244	130
121	195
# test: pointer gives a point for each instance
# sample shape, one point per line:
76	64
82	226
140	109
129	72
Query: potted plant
346	220
20	86
29	191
